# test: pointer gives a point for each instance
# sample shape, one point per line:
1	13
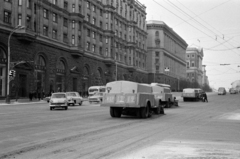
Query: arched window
2	53
156	33
41	61
61	65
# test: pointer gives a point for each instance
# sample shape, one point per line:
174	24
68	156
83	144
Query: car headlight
51	101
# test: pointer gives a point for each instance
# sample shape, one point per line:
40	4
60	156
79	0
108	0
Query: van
222	91
96	89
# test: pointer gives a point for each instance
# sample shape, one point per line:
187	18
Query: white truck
192	94
164	95
129	98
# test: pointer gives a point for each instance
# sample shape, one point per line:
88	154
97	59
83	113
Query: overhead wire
193	25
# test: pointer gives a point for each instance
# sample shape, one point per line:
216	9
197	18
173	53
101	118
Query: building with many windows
69	45
166	55
194	57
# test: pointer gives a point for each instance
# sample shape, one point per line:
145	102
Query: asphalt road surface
194	130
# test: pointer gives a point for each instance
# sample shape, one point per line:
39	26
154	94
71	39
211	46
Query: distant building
205	80
72	44
166	52
194	57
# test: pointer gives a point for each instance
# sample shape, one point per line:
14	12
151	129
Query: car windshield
58	96
71	94
98	94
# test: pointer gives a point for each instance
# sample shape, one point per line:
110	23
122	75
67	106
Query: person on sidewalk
204	95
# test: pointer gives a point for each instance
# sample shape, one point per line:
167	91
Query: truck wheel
158	110
144	112
161	110
112	112
80	103
117	112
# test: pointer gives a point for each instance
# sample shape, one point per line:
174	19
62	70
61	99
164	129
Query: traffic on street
194	129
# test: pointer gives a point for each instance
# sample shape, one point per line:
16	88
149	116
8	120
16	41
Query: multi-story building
166	55
194	58
204	77
71	44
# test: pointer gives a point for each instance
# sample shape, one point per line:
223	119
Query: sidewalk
22	101
27	101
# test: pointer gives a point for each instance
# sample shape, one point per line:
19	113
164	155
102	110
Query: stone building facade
70	45
194	57
166	55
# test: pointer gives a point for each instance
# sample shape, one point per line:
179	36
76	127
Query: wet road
193	130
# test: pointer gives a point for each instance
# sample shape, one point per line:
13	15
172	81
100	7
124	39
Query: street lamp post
116	70
8	61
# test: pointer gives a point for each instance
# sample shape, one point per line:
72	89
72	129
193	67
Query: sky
213	25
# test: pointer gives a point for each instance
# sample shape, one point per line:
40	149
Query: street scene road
192	130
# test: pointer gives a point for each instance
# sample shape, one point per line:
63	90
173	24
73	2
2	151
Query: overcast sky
213	25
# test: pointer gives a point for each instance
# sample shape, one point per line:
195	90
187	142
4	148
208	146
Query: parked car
74	98
233	91
97	97
58	100
222	91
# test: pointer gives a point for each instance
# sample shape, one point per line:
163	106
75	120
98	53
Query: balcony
26	35
76	51
108	61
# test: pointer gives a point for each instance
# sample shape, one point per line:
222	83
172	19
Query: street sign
12	73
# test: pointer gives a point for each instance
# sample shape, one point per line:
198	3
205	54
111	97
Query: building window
192	55
54	34
101	12
79	40
79	26
79	9
28	3
192	64
19	19
100	24
65	5
73	24
94	21
100	38
28	22
188	64
10	1
93	48
106	26
45	13
88	46
106	40
65	37
106	15
93	35
54	2
7	17
100	50
65	22
106	53
45	30
157	54
88	17
88	4
88	32
94	8
54	17
73	8
19	2
73	39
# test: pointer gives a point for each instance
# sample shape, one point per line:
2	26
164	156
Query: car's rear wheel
80	103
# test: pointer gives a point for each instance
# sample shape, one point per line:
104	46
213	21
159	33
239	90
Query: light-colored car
58	100
74	98
97	97
233	91
222	91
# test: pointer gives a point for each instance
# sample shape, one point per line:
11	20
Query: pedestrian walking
204	95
